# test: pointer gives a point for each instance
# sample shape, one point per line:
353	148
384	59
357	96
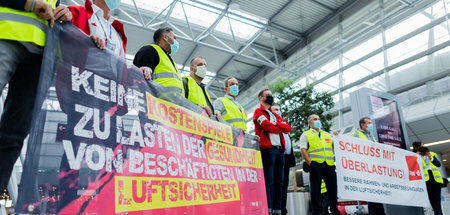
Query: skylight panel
155	6
240	29
406	26
204	14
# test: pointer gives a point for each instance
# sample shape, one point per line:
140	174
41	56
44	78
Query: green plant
297	103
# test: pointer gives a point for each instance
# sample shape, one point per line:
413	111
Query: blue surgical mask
317	124
201	71
174	47
113	4
234	90
370	127
278	112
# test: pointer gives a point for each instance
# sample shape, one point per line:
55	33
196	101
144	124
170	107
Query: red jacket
263	127
81	16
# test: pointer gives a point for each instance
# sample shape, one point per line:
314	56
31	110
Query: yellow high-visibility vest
362	136
437	175
195	93
23	26
320	149
166	73
235	114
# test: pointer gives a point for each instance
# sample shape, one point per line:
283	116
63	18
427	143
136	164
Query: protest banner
377	172
107	141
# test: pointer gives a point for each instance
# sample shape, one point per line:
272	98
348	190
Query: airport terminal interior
399	47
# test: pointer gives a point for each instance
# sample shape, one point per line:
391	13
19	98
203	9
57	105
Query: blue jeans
273	166
20	69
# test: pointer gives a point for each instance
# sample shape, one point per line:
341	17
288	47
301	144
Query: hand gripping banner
106	141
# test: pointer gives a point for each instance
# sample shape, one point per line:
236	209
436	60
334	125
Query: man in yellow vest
228	107
195	90
317	150
23	24
433	177
365	132
157	64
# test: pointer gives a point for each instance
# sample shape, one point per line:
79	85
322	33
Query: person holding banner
433	177
95	20
289	161
365	132
270	128
195	90
23	27
228	107
158	63
317	150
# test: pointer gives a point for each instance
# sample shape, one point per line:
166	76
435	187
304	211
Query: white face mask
201	71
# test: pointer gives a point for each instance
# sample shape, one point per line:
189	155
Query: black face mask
269	99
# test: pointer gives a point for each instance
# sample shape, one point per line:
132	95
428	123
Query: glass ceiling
204	14
408	47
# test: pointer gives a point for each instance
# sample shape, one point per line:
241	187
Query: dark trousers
20	69
319	171
375	208
434	194
285	187
273	166
324	204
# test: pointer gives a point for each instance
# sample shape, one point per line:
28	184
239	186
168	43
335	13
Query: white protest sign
377	172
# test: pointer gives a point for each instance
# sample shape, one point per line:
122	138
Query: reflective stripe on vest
233	115
196	95
436	173
362	136
166	73
235	120
23	26
320	149
323	188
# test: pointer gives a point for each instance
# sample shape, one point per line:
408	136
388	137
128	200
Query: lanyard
110	30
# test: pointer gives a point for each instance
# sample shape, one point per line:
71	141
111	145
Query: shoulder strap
186	87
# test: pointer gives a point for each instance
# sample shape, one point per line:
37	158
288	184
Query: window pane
406	27
408	48
363	49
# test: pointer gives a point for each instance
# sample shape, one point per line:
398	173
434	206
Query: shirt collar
99	12
359	129
230	97
315	130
